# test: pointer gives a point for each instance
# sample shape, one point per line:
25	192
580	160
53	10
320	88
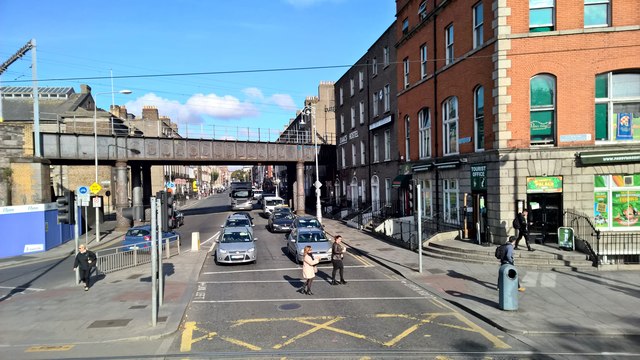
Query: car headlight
251	250
221	251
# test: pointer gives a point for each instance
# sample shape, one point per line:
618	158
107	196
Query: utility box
508	287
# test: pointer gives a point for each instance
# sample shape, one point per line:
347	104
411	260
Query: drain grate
436	271
109	323
162	319
134	276
290	306
138	307
385	249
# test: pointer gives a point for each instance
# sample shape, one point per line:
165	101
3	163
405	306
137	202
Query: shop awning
401	181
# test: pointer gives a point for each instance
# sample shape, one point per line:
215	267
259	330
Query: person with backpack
504	253
523	229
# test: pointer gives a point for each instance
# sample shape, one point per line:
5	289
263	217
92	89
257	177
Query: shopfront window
617	107
617	202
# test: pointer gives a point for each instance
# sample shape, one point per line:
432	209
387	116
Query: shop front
544	202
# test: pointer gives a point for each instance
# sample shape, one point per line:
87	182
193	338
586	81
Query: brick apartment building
508	104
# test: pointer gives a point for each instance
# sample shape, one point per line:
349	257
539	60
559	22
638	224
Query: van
270	202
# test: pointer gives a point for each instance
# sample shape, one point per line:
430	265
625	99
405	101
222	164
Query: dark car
139	237
178	218
280	221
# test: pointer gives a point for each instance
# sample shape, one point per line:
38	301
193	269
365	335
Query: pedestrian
337	254
507	258
85	259
309	269
523	230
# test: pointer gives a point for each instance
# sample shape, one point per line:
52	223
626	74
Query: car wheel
215	259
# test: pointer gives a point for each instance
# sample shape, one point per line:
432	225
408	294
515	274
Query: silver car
299	238
235	245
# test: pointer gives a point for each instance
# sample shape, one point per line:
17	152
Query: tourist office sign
478	177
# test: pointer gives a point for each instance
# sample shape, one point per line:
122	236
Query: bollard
508	287
195	241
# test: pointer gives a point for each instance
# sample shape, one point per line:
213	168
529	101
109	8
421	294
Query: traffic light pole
154	261
76	236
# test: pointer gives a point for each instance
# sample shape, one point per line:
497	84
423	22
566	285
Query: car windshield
236	237
241	194
309	223
238	222
282	215
137	232
311	237
274	202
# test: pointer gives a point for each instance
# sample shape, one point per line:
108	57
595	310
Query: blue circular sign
83	190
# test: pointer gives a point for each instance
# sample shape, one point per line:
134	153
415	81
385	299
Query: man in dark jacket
523	231
508	258
85	260
337	253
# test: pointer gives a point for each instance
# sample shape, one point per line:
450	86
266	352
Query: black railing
603	247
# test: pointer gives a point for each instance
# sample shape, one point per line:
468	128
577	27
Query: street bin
508	287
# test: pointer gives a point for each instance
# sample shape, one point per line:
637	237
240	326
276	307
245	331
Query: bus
241	196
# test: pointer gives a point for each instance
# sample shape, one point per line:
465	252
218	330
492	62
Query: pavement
554	302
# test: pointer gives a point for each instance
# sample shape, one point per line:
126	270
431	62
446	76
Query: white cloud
284	101
253	92
195	108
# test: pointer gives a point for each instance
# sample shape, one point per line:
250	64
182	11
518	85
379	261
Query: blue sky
84	41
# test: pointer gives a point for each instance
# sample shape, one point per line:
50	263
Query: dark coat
524	224
82	260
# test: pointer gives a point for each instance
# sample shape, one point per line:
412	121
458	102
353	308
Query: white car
257	194
269	203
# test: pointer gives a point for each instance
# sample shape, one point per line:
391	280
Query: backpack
501	252
516	223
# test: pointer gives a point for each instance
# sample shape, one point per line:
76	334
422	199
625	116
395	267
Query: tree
240	175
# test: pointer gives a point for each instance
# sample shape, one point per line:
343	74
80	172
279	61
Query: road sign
95	188
83	195
97	202
317	184
171	185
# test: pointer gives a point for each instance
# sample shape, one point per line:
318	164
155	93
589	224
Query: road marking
277	269
187	338
409	330
306	299
288	281
21	288
213	244
46	348
307	333
497	343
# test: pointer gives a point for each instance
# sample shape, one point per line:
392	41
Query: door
545	211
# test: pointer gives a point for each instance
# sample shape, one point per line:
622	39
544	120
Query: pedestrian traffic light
66	208
164	218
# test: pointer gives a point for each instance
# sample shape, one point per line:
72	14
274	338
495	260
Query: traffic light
66	208
170	214
164	218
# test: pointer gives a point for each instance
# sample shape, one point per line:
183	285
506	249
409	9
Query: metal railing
124	257
201	131
604	248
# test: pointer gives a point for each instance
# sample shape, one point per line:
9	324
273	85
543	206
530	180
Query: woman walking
309	270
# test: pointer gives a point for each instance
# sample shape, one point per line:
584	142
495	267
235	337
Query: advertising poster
565	238
624	208
624	127
601	216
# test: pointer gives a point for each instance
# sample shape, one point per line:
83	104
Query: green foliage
5	174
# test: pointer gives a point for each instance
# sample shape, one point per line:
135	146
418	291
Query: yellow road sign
95	188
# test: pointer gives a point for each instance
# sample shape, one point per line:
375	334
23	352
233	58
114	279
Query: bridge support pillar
300	188
122	195
136	196
146	191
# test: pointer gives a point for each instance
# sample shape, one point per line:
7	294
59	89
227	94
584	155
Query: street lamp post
95	147
311	111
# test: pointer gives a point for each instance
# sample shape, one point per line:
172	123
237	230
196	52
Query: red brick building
506	104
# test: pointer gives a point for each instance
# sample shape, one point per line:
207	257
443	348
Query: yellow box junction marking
188	340
45	348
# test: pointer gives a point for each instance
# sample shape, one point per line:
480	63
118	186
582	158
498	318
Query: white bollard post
195	241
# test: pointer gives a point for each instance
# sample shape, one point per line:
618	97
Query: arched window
424	118
450	125
542	111
478	115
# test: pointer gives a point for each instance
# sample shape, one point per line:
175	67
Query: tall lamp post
310	111
95	147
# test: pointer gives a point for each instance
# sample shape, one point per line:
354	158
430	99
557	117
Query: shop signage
353	135
566	238
386	120
601	157
343	140
478	177
545	184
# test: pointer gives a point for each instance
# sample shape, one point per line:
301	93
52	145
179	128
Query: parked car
280	221
257	194
306	221
139	237
299	238
178	218
235	245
